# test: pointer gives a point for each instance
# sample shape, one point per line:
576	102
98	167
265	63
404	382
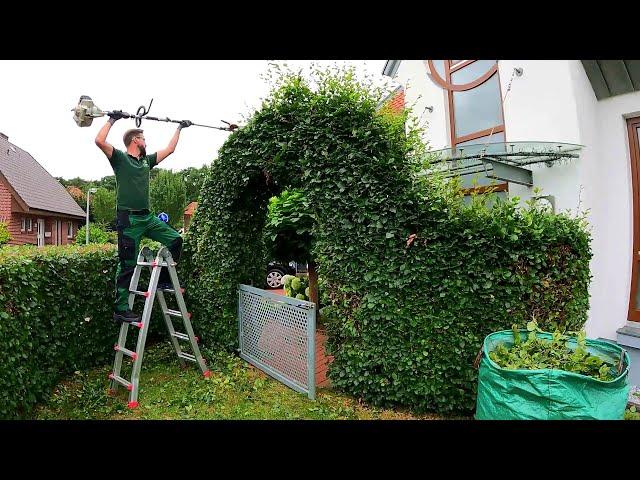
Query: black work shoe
126	316
165	285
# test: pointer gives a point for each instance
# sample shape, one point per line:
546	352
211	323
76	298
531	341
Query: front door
633	128
40	232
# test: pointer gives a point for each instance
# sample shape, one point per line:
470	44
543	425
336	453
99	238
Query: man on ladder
133	218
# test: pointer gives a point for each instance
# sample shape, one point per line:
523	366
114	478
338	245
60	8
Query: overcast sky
36	98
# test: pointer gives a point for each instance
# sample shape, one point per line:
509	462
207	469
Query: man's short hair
130	134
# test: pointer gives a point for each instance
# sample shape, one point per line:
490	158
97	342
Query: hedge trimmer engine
86	111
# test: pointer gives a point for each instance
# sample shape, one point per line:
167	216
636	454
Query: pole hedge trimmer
86	111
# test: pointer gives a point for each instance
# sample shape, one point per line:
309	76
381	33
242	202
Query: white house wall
611	208
421	91
541	107
554	101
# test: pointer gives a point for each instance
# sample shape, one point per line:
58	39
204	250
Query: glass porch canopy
500	160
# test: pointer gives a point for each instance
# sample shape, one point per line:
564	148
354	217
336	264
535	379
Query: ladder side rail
142	336
167	320
124	328
183	309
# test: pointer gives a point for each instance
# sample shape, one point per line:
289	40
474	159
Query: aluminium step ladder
162	260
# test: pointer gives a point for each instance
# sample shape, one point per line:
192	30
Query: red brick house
188	213
37	209
395	100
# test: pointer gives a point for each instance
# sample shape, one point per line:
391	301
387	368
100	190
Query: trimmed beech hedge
406	315
56	305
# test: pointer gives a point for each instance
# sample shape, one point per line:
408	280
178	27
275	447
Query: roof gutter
391	68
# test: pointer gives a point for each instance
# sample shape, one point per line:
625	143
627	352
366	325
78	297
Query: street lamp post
89	192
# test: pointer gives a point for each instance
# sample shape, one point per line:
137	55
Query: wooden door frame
634	149
59	232
44	239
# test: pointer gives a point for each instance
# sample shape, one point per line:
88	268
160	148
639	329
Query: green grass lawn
235	390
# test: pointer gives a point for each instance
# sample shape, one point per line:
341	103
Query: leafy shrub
414	278
151	244
4	234
288	227
297	287
97	234
631	413
55	309
56	306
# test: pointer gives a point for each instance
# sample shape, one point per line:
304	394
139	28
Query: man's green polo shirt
132	179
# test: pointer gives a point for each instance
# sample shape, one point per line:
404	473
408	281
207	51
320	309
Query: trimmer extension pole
86	111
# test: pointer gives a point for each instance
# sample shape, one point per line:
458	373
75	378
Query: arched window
474	100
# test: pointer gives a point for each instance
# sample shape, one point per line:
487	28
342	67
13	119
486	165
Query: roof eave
14	193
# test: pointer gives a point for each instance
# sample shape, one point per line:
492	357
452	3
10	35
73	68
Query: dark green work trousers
131	228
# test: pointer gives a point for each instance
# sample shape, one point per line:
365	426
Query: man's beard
143	151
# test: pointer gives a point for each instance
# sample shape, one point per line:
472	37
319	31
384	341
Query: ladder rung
171	290
136	292
121	381
173	313
125	351
187	356
156	264
181	336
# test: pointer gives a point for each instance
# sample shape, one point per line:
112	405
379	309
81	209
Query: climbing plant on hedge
415	279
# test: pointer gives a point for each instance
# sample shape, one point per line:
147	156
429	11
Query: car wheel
274	278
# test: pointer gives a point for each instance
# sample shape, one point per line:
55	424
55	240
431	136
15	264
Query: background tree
102	206
108	182
193	180
78	195
168	194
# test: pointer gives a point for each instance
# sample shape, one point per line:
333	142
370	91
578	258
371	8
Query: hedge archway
405	317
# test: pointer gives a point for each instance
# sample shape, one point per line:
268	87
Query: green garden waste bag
549	394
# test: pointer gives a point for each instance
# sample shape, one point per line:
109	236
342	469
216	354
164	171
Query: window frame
69	228
450	88
455	140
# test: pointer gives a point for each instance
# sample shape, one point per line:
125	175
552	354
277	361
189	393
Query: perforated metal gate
277	335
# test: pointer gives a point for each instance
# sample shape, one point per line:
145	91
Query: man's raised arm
165	152
101	138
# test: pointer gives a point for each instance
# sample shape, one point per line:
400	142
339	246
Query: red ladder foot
207	374
132	405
